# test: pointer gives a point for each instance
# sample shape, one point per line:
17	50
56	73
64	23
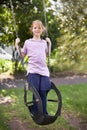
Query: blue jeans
42	84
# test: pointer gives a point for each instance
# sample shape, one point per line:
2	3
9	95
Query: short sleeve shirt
36	51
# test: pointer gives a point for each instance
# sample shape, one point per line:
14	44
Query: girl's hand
49	45
48	40
17	41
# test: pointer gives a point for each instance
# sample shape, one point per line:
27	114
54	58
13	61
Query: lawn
74	98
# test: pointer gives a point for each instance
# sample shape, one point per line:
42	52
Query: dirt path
8	81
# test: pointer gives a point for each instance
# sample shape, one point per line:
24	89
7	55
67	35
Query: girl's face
37	29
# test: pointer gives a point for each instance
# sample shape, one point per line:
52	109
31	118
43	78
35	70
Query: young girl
37	50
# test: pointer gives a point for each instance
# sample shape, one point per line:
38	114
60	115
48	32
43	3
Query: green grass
74	98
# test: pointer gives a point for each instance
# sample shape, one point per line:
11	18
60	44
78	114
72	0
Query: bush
5	65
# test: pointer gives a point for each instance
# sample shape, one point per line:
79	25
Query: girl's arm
49	45
17	41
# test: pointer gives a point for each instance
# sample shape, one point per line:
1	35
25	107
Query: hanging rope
45	18
13	15
16	56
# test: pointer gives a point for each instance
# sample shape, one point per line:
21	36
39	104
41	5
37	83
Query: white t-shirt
36	50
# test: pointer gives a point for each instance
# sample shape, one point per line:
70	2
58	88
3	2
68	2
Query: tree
25	12
66	20
72	42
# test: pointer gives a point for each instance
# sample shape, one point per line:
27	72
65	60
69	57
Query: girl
37	50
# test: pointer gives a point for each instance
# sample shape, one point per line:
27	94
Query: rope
13	15
45	18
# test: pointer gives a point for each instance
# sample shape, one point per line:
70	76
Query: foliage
24	13
5	65
67	28
5	32
71	51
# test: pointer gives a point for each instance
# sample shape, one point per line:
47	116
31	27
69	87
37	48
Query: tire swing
30	90
40	118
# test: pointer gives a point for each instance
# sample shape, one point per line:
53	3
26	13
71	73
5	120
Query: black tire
40	118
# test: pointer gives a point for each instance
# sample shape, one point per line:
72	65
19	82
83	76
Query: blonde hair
40	24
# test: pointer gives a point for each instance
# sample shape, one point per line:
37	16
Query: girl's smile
37	30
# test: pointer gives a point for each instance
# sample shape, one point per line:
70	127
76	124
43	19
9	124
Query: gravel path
8	81
70	80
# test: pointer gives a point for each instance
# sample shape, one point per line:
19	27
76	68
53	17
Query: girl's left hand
48	40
